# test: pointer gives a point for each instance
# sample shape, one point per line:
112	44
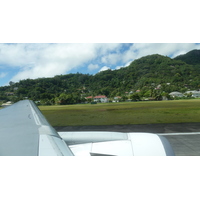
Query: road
184	137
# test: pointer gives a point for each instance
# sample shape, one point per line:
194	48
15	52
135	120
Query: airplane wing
24	131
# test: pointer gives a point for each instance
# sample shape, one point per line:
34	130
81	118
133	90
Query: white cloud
127	64
119	67
92	67
139	50
2	74
104	68
47	60
112	58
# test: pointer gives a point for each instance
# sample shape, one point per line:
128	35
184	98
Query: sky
19	61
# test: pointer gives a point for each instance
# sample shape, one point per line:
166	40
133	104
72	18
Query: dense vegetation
192	57
150	77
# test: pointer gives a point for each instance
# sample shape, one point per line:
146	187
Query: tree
147	94
135	97
11	83
124	98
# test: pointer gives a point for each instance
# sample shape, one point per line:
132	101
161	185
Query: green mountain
192	57
149	70
149	76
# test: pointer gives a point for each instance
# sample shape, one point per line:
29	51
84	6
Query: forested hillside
151	76
192	57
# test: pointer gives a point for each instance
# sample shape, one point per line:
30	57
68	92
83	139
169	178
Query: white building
176	94
194	93
101	98
116	99
9	103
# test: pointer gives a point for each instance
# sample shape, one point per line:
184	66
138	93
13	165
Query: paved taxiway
184	137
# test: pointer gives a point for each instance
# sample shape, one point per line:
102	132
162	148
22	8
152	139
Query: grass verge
179	111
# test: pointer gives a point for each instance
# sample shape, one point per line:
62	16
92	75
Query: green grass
179	111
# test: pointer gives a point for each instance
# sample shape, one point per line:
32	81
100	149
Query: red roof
100	96
97	97
90	97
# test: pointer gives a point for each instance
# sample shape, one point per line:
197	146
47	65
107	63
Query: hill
149	77
192	57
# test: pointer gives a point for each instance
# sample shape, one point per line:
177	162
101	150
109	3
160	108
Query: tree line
150	77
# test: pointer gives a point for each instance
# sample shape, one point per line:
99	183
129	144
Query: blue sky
20	61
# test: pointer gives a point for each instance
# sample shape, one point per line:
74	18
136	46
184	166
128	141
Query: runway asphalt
183	137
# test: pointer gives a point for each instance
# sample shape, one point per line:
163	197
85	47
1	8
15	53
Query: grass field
123	113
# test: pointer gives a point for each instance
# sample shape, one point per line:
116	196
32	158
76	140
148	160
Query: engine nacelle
117	144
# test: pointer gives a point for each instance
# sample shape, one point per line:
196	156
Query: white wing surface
117	144
25	132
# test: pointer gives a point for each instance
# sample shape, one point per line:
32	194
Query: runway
183	137
184	144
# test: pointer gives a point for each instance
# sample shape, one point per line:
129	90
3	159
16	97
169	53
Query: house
194	93
158	87
176	94
116	99
90	97
101	98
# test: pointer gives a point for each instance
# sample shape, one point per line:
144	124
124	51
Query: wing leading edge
26	132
